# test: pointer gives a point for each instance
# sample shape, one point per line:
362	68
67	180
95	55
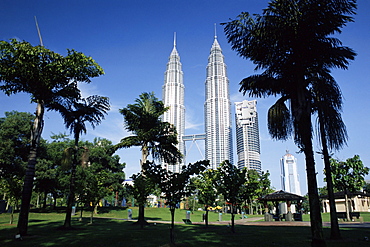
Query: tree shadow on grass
110	232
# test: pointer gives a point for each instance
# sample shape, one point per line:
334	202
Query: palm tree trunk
71	195
315	214
30	171
334	226
141	217
301	109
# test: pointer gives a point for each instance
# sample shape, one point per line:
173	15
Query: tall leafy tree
48	77
46	178
75	115
15	134
231	183
104	173
173	185
291	42
207	193
150	133
348	176
251	188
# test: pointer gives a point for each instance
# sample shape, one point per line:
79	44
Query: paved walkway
254	221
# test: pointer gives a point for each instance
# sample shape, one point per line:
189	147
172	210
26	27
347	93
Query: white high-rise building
173	97
247	135
289	174
218	141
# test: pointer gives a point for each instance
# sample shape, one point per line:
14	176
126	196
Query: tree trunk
92	214
346	204
30	171
206	217
38	201
55	201
82	209
301	109
12	214
44	201
141	219
172	235
334	226
141	216
232	219
315	214
71	195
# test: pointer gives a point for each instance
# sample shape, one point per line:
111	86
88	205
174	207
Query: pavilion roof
281	196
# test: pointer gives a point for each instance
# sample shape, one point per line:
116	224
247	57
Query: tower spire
215	32
38	31
174	39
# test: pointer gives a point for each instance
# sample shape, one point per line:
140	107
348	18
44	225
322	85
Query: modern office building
218	139
289	174
247	135
173	97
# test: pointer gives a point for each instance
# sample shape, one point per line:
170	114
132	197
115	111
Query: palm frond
279	120
260	86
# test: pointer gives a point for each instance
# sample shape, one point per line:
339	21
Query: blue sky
132	41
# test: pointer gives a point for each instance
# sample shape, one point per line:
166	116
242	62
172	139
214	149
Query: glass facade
247	135
217	114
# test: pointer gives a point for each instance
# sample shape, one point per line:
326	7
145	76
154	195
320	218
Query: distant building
289	174
217	113
247	135
357	202
173	97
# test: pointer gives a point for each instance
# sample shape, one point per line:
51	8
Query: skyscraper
289	174
218	141
173	97
247	135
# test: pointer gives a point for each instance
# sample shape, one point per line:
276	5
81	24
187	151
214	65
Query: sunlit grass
43	230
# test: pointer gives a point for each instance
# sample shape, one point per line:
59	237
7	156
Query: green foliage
291	41
76	112
49	78
44	74
348	175
15	134
141	188
231	183
174	185
154	136
204	184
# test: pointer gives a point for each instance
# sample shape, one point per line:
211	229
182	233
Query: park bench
343	215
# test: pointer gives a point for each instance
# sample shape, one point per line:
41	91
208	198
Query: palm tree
48	77
156	138
291	42
327	100
75	114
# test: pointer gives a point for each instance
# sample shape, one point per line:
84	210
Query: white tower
218	141
247	135
289	174
173	97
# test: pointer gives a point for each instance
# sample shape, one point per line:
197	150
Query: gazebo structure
282	196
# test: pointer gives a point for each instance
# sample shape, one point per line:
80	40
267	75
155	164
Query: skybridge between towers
194	139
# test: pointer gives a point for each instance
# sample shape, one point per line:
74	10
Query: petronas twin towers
217	113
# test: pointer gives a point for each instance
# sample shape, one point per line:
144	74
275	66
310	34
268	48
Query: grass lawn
115	232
